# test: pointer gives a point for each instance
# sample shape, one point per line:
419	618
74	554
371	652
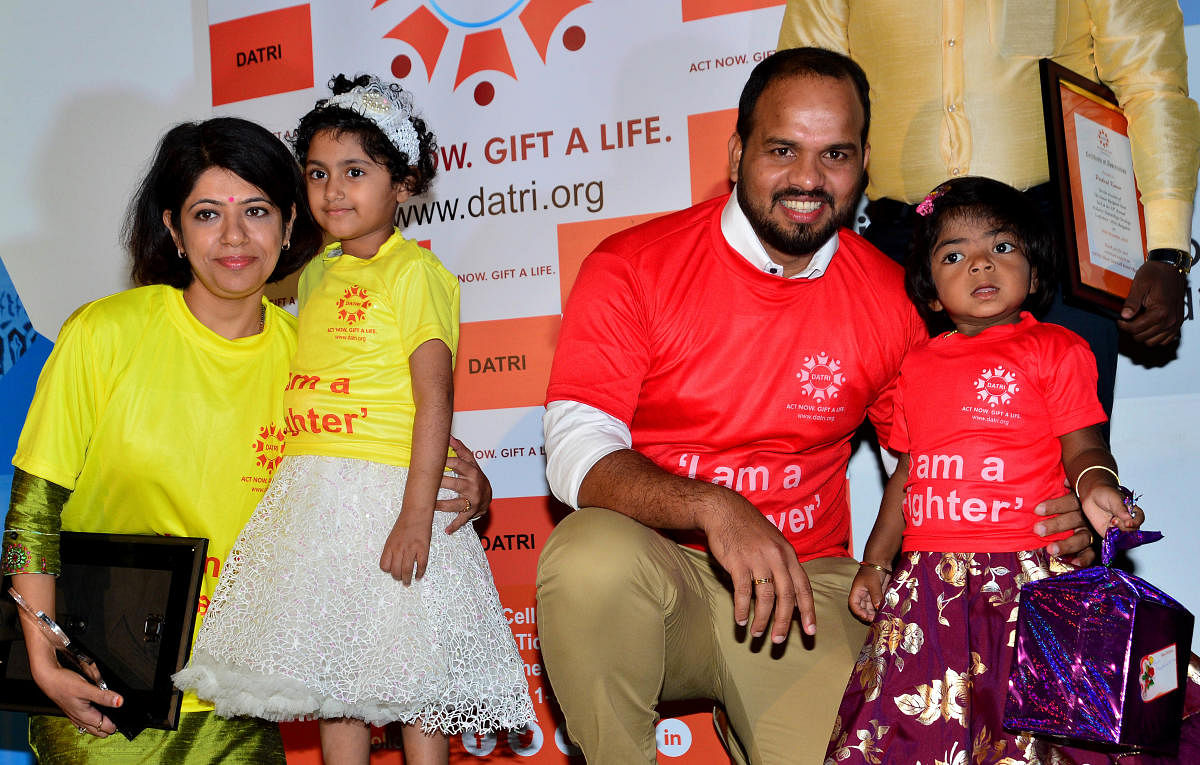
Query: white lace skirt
304	624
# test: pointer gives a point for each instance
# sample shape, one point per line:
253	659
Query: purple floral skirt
931	679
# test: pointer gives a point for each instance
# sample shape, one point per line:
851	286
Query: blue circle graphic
474	24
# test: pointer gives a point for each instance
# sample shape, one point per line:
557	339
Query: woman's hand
80	700
474	489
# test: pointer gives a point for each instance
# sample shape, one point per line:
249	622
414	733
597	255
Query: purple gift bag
1101	656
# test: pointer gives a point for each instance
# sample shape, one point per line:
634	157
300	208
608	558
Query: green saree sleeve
32	526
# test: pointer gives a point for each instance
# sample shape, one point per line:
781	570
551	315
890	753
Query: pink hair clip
926	206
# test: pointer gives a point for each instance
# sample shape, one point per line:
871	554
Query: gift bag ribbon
1116	540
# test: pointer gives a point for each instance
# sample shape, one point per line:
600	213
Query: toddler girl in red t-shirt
992	417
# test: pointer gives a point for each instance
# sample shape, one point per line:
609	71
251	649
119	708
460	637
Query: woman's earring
286	245
182	254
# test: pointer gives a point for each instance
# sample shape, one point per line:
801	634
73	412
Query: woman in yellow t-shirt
160	411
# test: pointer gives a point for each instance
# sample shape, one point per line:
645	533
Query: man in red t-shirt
711	369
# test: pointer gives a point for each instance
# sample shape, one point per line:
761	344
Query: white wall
87	90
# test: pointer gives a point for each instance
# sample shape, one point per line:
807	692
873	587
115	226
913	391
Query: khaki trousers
627	617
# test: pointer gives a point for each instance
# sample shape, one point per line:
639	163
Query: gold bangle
877	567
1083	472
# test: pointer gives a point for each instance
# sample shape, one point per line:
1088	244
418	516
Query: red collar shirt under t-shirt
726	374
980	418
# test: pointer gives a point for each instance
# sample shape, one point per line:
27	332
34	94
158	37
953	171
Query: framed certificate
127	601
1091	164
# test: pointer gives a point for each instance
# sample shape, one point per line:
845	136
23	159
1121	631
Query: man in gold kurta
955	91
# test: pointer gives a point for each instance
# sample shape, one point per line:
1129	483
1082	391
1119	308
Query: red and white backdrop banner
559	122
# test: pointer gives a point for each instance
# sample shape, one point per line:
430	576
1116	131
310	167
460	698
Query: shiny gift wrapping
1100	656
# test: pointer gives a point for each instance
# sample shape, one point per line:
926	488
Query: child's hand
407	548
866	593
1104	506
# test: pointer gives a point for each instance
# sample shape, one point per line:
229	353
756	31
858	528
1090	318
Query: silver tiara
387	105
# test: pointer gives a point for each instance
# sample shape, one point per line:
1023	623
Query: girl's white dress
304	624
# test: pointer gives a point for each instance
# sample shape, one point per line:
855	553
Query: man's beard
796	239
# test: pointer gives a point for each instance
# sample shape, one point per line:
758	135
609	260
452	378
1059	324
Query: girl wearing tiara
347	597
992	417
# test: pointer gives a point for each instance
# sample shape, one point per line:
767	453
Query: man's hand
1065	514
741	538
758	559
1153	312
473	487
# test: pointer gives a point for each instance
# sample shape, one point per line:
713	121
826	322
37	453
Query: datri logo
996	386
481	25
353	304
268	447
821	376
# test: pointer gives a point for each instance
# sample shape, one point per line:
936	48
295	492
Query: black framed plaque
1091	164
129	601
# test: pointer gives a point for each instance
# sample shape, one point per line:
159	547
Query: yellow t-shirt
158	425
350	394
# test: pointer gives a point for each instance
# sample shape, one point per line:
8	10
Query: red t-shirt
730	375
980	419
